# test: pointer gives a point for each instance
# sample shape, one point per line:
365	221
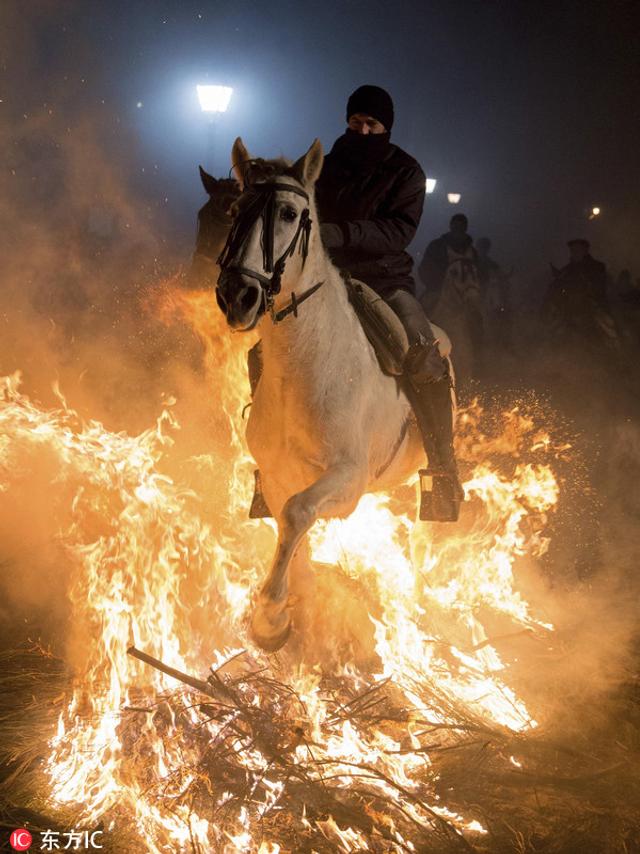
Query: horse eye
288	214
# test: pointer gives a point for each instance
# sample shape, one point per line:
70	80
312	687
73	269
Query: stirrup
440	495
259	508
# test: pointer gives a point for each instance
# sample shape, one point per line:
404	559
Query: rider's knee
411	314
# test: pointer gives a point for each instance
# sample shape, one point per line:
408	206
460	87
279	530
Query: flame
147	568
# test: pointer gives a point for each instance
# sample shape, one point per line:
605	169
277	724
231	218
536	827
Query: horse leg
340	486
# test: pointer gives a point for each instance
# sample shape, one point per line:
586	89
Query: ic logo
21	840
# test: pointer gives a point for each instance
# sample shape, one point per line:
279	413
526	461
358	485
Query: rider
370	197
585	273
455	245
577	298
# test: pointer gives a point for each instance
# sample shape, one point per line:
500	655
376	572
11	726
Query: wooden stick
216	691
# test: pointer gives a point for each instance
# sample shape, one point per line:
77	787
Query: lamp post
431	185
453	198
213	101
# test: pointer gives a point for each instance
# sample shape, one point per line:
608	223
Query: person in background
585	273
577	302
449	272
453	247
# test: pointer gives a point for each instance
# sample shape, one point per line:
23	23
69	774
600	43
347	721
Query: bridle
262	203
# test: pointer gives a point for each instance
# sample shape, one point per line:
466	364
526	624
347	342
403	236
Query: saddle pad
384	330
381	325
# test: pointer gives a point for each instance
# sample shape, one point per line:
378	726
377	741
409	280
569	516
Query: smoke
86	263
78	243
588	583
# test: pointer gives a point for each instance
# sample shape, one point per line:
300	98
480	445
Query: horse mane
259	169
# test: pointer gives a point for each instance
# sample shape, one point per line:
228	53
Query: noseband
262	203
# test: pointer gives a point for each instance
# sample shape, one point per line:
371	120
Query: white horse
326	425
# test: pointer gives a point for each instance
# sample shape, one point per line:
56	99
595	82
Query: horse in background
214	224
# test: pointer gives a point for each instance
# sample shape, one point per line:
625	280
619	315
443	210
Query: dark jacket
378	210
434	264
587	277
577	299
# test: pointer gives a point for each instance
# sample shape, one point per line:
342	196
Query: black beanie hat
372	101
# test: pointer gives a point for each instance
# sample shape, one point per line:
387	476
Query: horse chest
284	424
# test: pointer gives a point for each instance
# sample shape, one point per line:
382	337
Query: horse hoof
270	634
274	642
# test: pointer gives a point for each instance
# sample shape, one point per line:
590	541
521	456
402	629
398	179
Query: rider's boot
259	508
441	492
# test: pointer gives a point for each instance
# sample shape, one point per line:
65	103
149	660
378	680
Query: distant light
431	184
595	211
453	198
214	99
139	104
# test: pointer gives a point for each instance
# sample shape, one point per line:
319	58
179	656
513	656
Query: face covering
359	151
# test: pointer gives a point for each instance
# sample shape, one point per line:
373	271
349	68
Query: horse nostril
222	303
249	299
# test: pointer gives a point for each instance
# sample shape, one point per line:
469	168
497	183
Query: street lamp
594	213
214	99
453	198
431	184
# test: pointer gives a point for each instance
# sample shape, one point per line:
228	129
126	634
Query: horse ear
208	181
239	160
308	168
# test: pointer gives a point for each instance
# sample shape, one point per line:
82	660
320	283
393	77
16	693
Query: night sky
529	110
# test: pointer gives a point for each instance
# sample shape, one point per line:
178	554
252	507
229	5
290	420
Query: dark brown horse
214	223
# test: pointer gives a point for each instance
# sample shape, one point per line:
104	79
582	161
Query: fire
146	568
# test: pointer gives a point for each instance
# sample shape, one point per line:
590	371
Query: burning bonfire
365	733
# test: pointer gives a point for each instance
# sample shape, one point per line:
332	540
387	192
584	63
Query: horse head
270	236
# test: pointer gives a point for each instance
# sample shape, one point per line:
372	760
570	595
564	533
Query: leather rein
262	203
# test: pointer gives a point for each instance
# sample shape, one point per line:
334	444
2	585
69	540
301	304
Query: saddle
383	328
